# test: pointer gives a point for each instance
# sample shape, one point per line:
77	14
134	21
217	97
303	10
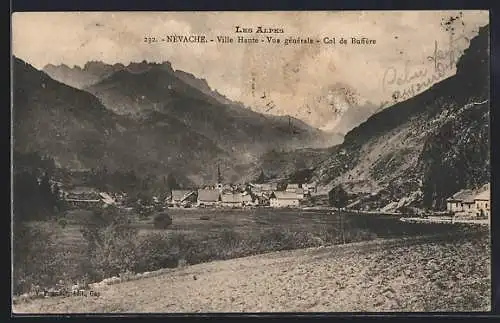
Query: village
220	195
465	205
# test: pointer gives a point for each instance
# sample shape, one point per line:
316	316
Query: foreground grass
416	274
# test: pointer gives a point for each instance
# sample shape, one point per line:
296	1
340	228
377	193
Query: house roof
280	195
292	186
485	196
468	195
179	195
463	195
208	195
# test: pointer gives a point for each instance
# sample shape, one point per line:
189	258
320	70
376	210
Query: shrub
111	244
155	250
62	223
162	221
114	253
330	234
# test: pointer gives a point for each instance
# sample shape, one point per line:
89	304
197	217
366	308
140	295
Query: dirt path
390	275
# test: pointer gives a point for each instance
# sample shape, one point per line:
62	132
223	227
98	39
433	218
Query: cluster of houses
249	195
470	203
219	195
463	204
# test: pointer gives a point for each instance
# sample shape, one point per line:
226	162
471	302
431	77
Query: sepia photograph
250	162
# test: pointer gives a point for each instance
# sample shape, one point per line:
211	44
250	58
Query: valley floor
414	274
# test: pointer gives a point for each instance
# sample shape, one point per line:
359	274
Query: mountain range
145	117
417	152
153	119
335	110
81	77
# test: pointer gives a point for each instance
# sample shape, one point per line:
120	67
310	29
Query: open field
254	220
227	234
449	273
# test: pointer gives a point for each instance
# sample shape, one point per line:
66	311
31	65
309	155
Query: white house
284	199
482	203
462	201
235	199
470	203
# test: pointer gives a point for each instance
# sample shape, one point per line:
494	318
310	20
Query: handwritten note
410	81
270	105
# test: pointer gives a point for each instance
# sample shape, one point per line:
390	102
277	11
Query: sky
299	80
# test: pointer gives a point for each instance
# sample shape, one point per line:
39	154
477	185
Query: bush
162	221
111	244
62	223
115	252
155	250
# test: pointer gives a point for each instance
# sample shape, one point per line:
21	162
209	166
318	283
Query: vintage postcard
251	162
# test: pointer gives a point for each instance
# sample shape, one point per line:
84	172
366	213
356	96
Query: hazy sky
292	76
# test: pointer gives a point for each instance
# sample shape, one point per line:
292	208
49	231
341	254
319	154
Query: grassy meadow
204	235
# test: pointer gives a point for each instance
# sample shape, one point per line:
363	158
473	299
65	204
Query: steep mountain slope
52	117
202	85
80	133
420	151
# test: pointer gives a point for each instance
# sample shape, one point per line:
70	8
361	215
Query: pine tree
339	198
262	178
219	175
172	182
